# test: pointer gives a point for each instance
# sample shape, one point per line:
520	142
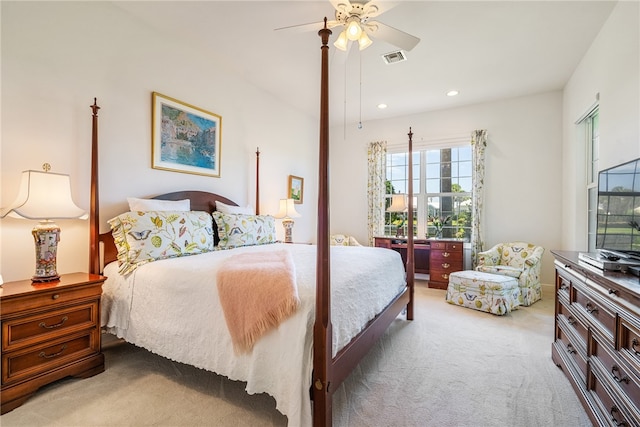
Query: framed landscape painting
296	189
184	138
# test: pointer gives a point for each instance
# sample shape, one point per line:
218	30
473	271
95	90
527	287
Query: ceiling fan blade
341	5
314	26
391	35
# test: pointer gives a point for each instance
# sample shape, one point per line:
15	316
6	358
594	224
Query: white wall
58	56
523	166
610	68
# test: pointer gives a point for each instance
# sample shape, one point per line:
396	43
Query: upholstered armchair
516	259
343	240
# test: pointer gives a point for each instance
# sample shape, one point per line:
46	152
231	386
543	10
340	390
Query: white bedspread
171	308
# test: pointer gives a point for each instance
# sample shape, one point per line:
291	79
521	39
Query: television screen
619	208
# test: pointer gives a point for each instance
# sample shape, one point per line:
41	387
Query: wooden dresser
49	331
446	257
597	339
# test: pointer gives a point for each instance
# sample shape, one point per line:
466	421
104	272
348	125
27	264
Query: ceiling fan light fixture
342	41
364	41
354	30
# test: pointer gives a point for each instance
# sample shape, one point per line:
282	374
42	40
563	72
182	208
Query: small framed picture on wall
296	189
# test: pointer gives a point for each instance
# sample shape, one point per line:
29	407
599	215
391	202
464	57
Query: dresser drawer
31	361
447	246
575	324
563	284
629	342
571	345
612	409
623	378
29	330
595	311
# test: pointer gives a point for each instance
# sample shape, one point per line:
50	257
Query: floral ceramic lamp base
46	235
287	223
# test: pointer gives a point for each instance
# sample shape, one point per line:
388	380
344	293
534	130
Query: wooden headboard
200	201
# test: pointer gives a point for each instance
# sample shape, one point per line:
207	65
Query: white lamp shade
43	195
398	203
342	41
364	41
354	30
287	209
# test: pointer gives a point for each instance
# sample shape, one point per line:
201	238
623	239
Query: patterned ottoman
488	292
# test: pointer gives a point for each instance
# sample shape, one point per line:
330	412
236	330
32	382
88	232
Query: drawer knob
634	344
49	356
624	379
55	296
613	291
613	411
57	325
591	308
446	254
570	349
564	286
571	320
445	265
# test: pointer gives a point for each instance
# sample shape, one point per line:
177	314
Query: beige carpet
451	366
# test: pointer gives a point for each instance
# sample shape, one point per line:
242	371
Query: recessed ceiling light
382	106
452	93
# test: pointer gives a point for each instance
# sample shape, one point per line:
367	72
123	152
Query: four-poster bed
331	347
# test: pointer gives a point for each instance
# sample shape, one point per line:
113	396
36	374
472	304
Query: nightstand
49	331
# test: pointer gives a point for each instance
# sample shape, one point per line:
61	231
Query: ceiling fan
356	19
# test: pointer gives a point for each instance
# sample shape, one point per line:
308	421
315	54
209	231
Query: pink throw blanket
257	291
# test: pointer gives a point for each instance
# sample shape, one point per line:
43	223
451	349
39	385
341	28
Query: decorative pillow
146	205
237	230
229	209
339	240
142	237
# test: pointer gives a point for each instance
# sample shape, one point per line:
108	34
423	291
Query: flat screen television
619	209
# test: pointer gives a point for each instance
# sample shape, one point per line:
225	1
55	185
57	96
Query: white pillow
146	205
229	209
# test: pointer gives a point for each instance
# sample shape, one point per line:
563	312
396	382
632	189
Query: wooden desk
437	258
421	250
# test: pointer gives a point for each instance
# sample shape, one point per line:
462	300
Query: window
442	186
592	136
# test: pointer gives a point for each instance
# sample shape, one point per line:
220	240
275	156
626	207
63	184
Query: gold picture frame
296	189
184	138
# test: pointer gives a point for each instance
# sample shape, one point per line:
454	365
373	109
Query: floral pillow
142	237
236	230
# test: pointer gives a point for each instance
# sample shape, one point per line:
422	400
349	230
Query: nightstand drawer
34	329
29	362
49	298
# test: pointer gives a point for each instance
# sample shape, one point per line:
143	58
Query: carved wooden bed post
410	253
322	333
257	180
94	224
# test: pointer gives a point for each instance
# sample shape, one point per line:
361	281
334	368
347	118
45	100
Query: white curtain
479	144
376	188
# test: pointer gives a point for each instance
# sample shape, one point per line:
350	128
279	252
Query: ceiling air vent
393	57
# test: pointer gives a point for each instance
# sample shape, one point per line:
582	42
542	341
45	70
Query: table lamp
287	211
398	204
44	196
